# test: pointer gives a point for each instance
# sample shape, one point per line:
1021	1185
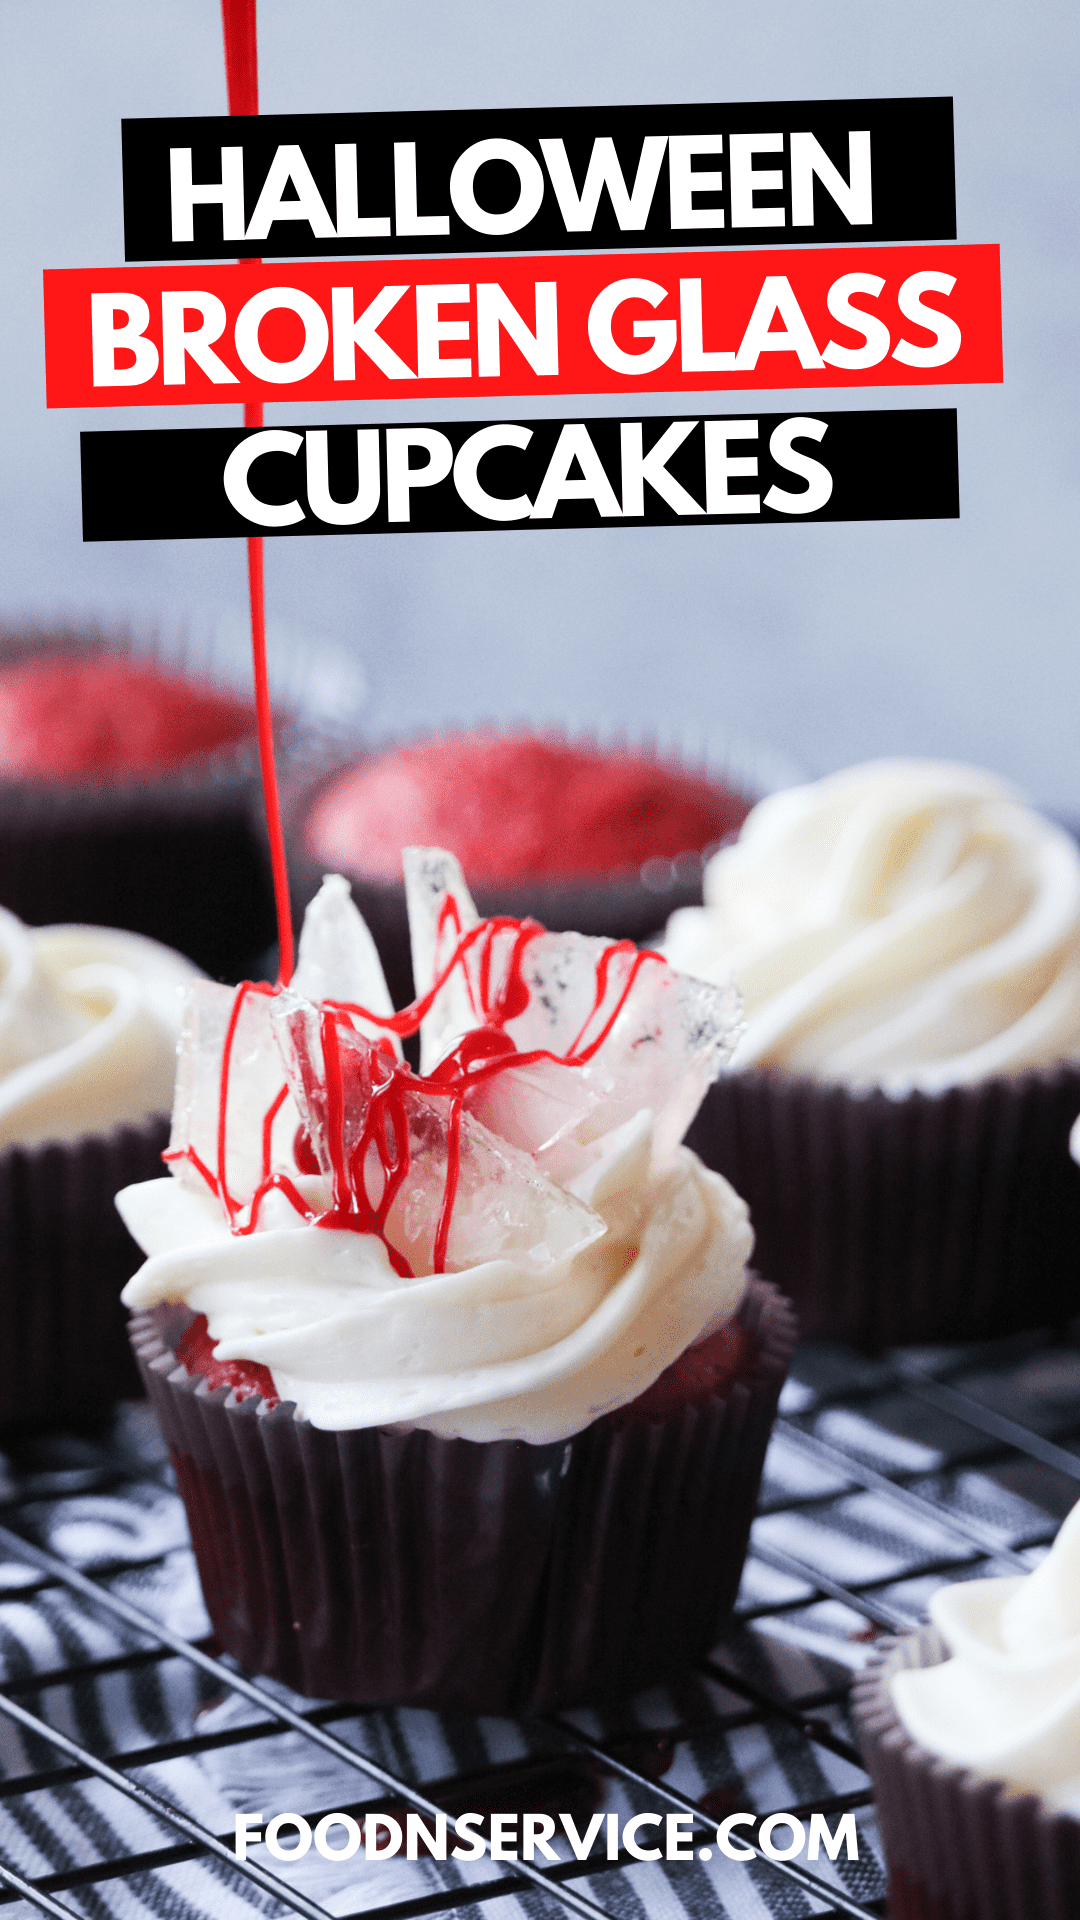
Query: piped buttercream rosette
906	937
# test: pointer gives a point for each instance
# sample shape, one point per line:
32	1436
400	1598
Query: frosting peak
908	924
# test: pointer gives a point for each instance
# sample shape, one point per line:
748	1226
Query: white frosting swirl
89	1022
905	924
505	1350
1007	1704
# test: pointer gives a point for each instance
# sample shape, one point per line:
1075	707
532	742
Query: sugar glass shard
255	1081
574	984
338	959
539	1108
298	1026
639	1035
440	910
503	1206
668	1042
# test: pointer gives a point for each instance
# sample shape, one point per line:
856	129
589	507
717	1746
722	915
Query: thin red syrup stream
480	1054
242	81
266	750
241	55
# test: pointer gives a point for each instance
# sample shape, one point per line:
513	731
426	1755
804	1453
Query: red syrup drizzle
377	1081
478	1056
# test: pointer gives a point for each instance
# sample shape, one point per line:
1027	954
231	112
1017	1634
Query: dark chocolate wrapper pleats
889	1222
382	1565
958	1847
64	1256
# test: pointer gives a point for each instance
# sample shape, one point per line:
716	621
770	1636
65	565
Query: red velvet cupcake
386	1565
129	797
466	1383
604	840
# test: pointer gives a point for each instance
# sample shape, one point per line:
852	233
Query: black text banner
539	179
216	482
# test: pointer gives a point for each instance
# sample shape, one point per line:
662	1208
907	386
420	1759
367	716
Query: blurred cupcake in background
89	1024
971	1732
604	839
906	937
129	793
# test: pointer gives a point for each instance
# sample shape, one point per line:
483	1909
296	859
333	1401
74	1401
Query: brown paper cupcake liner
179	855
898	1222
64	1256
383	1565
957	1847
627	904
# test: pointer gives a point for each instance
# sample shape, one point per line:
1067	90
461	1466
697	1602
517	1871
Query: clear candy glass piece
503	1207
338	959
255	1079
638	1034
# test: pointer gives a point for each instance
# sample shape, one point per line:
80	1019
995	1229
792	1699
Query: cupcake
602	840
971	1731
126	796
906	937
89	1021
466	1384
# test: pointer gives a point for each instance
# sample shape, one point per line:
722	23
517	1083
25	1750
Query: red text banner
601	323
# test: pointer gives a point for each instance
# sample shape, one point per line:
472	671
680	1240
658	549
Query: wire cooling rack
127	1747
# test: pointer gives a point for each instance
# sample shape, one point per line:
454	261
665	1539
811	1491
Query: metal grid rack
124	1742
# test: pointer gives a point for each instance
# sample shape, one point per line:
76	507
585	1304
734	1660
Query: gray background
796	648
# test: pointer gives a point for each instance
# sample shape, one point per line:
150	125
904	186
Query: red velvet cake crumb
195	1351
106	713
512	806
709	1369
